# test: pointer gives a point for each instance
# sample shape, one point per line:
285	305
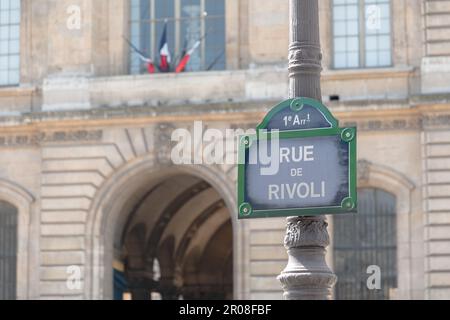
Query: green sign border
348	205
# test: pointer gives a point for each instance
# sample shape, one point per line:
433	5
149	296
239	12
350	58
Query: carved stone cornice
163	141
42	137
385	124
436	121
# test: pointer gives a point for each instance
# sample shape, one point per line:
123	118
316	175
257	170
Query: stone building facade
85	153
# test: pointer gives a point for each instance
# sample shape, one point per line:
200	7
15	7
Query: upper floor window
193	28
9	42
362	33
8	251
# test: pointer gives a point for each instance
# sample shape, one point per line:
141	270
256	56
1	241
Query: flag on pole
184	61
148	61
186	56
215	61
164	52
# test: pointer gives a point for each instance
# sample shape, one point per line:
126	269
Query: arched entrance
176	243
17	206
165	232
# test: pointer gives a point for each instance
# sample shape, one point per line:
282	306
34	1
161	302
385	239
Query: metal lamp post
307	275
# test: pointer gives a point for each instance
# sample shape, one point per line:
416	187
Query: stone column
307	276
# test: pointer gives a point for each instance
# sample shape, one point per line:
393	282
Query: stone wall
436	189
436	60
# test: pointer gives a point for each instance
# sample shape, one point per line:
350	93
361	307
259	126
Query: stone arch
24	201
382	177
388	179
124	188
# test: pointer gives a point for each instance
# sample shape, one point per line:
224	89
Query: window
8	251
187	22
366	239
361	33
9	42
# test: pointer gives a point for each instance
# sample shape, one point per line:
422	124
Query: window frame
177	21
362	38
27	262
12	258
361	250
18	54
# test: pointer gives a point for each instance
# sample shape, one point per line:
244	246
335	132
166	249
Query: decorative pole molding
307	275
305	55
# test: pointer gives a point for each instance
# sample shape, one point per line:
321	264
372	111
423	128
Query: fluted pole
307	275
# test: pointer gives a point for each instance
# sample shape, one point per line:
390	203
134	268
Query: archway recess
176	243
166	231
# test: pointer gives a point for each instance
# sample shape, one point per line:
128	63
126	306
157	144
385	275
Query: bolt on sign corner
299	163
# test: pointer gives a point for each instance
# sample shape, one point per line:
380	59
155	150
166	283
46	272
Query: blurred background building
86	178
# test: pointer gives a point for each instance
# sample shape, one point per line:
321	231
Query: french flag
164	52
147	60
182	65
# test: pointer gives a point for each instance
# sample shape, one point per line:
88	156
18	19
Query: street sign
299	163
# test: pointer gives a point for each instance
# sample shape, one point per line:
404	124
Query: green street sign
299	163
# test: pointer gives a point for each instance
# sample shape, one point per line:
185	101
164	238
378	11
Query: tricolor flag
184	61
164	53
149	62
